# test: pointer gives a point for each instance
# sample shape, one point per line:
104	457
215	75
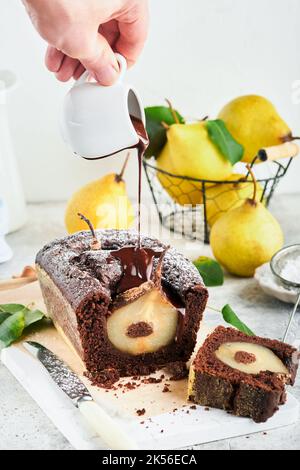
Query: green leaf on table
155	116
33	316
14	318
3	316
210	270
224	141
11	329
231	317
7	310
11	308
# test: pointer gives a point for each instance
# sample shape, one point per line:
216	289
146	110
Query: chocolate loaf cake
117	331
245	375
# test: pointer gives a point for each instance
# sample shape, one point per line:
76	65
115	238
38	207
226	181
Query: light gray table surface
24	426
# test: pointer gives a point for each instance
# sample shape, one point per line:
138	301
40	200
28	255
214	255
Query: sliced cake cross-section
245	375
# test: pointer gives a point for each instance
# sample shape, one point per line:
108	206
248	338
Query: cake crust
79	286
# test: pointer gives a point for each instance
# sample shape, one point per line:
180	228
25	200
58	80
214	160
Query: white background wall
200	54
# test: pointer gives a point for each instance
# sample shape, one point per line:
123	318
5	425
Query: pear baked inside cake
245	375
118	330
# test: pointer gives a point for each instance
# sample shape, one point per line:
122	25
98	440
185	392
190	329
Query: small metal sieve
278	263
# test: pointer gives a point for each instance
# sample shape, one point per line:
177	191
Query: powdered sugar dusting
80	272
291	270
67	381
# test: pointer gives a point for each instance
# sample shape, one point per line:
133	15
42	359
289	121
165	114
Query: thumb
101	61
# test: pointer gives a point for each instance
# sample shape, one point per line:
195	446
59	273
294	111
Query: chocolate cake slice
245	375
116	327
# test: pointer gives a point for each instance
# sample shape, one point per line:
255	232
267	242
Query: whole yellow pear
104	202
181	191
246	237
222	198
255	123
194	154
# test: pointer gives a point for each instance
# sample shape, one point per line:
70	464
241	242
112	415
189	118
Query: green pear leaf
155	115
14	318
3	316
231	317
33	316
210	271
224	141
11	308
11	329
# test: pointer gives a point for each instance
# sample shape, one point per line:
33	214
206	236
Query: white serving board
180	429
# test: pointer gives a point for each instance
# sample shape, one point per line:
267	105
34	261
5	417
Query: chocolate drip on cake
137	266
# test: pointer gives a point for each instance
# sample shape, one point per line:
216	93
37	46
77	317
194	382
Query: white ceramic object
10	184
271	286
5	251
96	119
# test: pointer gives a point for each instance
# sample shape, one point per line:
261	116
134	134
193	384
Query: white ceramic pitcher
96	119
10	184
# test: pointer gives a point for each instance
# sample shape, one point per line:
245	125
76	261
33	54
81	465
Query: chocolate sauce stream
141	148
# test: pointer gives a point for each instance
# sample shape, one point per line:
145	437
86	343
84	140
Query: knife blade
107	428
60	373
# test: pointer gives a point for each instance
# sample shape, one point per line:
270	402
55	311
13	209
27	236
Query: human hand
84	34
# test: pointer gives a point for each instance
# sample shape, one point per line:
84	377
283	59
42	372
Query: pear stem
158	272
175	115
253	200
289	138
120	175
165	125
95	245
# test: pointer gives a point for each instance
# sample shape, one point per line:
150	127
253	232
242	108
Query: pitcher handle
123	69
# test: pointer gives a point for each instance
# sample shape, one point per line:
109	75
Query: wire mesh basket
190	206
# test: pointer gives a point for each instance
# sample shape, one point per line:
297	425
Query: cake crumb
106	378
166	388
206	408
141	412
130	386
151	380
193	407
177	371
